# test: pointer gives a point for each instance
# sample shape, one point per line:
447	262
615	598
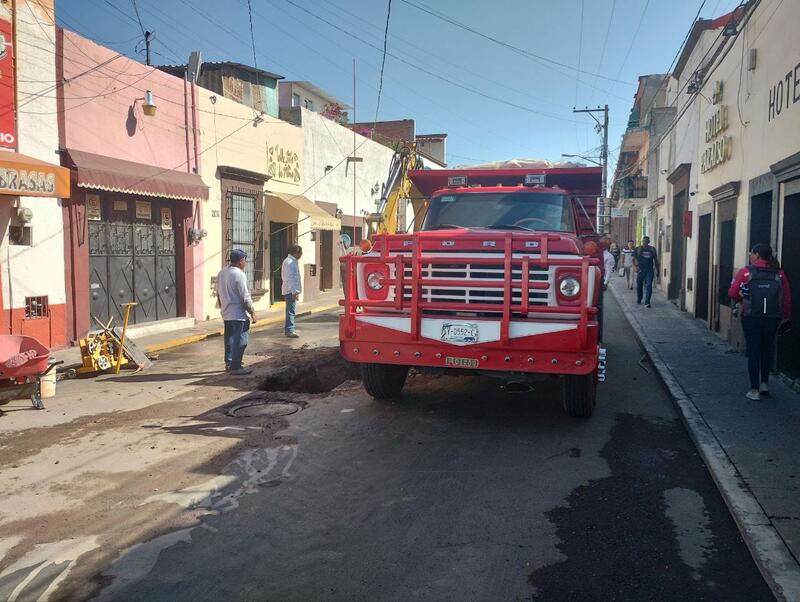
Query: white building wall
37	269
326	143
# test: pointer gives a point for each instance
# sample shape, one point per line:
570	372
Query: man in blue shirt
236	305
291	287
645	258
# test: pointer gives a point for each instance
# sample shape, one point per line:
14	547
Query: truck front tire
383	381
580	395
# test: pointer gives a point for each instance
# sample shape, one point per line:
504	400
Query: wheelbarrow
24	362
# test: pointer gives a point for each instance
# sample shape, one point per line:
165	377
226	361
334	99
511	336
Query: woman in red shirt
760	323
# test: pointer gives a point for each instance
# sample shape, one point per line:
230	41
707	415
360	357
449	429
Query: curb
774	560
260	325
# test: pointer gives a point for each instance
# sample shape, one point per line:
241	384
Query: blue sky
530	112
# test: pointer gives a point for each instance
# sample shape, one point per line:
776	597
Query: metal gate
132	259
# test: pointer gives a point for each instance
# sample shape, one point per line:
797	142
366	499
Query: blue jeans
237	335
759	336
644	279
291	309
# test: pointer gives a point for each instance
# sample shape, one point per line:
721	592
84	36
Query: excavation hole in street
317	371
263	407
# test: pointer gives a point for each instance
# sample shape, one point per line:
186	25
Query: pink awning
116	175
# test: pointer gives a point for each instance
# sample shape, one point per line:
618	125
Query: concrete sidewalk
210	328
749	447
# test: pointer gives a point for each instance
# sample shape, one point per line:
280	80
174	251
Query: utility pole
603	157
147	37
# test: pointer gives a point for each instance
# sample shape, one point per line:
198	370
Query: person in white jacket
291	288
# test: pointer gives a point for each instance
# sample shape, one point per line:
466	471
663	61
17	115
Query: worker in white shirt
236	305
608	267
291	288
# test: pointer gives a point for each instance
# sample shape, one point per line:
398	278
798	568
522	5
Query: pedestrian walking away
627	263
608	267
614	250
645	259
291	288
233	298
763	291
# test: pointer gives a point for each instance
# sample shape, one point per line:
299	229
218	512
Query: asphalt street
461	490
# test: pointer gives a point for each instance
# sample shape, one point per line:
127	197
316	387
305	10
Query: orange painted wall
51	332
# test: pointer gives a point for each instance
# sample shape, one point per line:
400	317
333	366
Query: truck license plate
459	332
461	362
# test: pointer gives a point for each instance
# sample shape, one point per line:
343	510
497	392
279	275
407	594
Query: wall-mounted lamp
730	29
339	213
196	235
149	105
663	171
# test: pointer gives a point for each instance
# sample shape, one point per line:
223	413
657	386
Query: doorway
281	236
326	259
703	267
761	219
132	258
678	254
789	343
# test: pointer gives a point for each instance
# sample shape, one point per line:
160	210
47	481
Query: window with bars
244	229
37	307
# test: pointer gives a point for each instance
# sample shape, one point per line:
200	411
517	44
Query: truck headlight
374	281
569	287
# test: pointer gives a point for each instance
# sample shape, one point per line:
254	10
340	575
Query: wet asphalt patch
656	529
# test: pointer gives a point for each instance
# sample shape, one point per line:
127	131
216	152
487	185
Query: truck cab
503	277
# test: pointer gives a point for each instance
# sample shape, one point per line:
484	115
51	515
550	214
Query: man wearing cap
237	311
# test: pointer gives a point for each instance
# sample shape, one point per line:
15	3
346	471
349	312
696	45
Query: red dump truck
502	278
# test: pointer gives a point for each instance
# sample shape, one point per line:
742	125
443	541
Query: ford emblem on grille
448	243
489	243
532	244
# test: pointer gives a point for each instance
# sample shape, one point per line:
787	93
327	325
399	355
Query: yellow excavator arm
398	186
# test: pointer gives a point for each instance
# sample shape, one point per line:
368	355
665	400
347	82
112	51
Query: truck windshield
501	211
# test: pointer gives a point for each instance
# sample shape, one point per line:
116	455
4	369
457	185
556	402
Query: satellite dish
345	240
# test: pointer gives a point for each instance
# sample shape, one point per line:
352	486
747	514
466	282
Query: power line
633	41
252	35
383	63
428	54
605	41
138	18
428	72
580	52
499	42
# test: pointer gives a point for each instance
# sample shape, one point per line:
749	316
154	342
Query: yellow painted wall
230	138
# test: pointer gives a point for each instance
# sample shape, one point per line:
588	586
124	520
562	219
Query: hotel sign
719	149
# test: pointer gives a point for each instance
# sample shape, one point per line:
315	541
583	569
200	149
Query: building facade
128	133
731	160
257	202
32	185
244	84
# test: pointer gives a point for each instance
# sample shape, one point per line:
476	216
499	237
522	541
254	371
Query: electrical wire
506	45
383	64
605	43
428	54
139	19
252	35
431	73
633	41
